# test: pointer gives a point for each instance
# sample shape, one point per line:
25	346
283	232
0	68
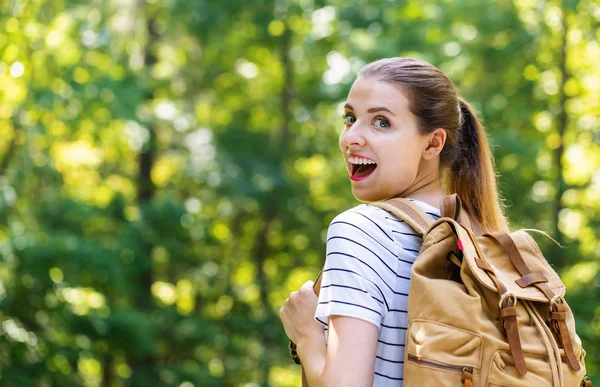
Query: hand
298	312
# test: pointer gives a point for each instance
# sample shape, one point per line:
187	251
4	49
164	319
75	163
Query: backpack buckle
507	295
558	299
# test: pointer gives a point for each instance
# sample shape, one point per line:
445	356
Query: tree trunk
286	93
261	245
561	126
146	365
107	370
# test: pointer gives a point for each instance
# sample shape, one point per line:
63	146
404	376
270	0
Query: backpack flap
486	250
535	274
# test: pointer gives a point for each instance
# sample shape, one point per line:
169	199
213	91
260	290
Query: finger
308	283
306	290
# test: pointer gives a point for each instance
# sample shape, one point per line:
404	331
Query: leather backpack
484	309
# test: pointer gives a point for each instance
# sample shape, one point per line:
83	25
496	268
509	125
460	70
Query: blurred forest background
168	168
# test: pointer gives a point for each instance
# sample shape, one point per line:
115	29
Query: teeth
360	160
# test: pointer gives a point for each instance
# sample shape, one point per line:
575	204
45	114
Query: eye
381	123
349	118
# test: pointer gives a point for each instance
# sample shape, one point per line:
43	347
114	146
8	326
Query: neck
427	188
432	197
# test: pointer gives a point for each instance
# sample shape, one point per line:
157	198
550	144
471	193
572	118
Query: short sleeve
360	266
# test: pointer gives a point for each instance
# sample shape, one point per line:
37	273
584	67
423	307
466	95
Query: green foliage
168	169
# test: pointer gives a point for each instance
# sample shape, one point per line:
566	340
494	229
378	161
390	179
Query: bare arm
347	360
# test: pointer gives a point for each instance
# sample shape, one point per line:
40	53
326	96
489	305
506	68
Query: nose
353	136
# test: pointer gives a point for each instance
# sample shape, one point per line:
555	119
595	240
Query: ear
435	143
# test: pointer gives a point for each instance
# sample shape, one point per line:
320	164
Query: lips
360	171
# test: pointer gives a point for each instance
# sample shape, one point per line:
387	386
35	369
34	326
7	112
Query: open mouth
362	170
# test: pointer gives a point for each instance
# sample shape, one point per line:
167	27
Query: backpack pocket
441	355
504	373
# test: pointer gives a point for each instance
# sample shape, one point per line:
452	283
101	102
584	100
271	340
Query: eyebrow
372	110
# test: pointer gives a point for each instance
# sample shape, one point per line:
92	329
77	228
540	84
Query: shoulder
362	219
362	214
374	220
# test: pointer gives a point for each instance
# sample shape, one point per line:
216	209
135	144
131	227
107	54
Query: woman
407	134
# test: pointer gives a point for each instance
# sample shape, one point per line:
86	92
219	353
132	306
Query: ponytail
472	174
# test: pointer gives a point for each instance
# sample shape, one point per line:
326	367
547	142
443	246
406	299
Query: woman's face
380	128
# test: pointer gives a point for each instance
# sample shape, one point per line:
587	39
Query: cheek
402	159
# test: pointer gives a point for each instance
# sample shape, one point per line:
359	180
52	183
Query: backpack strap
451	207
507	306
407	211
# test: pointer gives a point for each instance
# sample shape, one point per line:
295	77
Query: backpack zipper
440	364
467	371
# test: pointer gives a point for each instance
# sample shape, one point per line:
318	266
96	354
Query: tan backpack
484	310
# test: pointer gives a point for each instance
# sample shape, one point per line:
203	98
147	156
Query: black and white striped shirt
366	275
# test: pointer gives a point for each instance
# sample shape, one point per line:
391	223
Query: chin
367	197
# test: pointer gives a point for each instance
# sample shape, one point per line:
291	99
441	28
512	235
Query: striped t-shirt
366	275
